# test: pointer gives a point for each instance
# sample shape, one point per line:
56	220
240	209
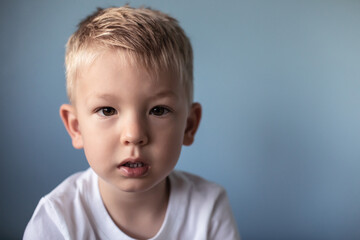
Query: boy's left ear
192	124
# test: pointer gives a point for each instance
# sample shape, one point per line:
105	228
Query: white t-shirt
197	209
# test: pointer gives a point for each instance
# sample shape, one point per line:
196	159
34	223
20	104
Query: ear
192	124
70	120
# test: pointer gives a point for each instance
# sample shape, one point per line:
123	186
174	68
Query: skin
121	112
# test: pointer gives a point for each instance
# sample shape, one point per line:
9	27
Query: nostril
141	142
135	142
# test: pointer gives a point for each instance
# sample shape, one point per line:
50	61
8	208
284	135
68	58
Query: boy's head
129	79
147	37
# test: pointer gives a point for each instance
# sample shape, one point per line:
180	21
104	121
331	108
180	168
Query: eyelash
112	111
163	110
100	111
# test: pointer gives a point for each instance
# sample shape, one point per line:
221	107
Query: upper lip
132	160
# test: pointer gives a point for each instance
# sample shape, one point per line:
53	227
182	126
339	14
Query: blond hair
148	37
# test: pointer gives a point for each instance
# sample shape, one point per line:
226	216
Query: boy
129	81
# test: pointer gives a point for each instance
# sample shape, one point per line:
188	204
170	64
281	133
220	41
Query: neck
127	209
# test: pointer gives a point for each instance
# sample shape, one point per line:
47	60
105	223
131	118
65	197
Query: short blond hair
148	37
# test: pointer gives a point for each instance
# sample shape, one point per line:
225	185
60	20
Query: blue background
279	82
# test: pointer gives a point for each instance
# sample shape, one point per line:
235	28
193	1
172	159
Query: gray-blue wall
280	86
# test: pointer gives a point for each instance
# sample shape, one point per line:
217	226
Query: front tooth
134	165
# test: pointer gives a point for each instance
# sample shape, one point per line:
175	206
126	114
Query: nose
134	132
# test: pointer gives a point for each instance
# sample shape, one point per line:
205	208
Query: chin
135	188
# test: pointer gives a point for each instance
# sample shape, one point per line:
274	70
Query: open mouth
134	165
134	169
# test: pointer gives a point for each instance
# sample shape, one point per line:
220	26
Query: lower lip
134	172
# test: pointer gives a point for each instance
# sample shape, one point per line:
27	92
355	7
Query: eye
159	111
106	111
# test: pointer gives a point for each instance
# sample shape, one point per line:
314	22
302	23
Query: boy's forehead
119	59
118	64
124	59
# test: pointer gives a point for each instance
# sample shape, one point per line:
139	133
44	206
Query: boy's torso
75	210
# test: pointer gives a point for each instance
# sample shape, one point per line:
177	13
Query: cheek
169	139
97	143
95	132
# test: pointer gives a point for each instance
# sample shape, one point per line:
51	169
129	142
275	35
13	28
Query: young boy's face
130	124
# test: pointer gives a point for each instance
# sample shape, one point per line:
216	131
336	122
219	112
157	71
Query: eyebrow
164	94
108	97
104	96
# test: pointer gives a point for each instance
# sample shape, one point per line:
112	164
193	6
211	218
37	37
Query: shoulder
72	186
201	196
195	184
204	206
61	207
73	191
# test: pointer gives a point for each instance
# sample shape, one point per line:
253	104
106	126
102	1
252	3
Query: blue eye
106	111
159	111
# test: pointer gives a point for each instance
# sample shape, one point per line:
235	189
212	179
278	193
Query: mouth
133	165
133	168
